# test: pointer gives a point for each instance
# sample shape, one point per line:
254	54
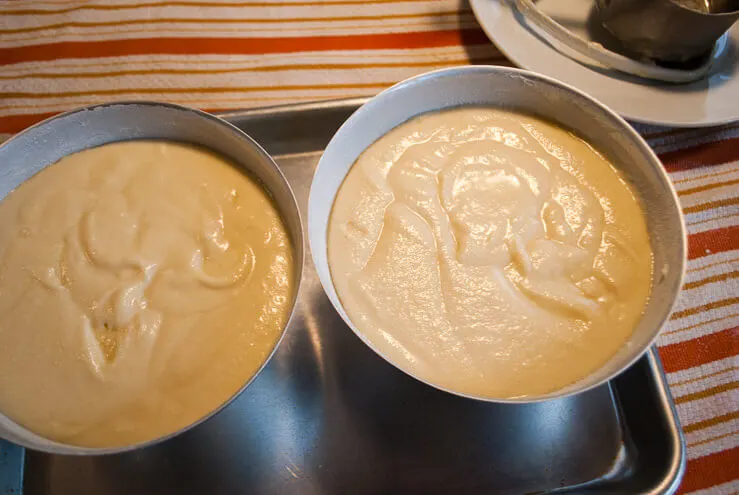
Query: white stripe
229	97
225	101
704	294
223	11
699	175
712	447
221	101
681	324
243	12
733	174
727	376
246	79
238	31
694	319
298	77
705	434
708	407
21	26
59	5
705	369
721	220
230	61
675	335
717	269
704	197
711	219
698	264
196	101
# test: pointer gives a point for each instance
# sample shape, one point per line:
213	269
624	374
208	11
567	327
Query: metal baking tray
328	416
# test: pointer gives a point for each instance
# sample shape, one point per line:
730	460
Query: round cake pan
37	147
503	87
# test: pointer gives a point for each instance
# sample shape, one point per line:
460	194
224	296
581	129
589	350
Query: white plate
708	102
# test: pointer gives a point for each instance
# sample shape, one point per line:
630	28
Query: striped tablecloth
55	55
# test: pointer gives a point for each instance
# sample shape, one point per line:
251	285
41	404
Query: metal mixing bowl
554	101
32	150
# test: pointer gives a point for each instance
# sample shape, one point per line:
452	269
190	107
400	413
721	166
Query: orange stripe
709	265
154	60
697	352
710	470
715	153
713	241
707	393
12	124
225	103
706	176
251	31
712	439
710	422
240	46
705	206
231	20
206	90
196	4
705	307
712	219
709	280
265	68
707	187
715	320
703	377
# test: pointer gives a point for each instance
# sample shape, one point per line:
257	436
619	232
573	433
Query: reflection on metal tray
329	416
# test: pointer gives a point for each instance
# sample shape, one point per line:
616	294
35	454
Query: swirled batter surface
489	252
141	285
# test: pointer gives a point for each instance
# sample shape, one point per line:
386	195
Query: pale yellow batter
141	285
490	253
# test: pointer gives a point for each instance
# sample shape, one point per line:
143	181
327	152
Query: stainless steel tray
327	416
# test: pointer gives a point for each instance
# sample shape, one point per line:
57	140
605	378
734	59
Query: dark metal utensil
668	30
594	54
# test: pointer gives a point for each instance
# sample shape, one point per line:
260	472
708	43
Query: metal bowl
668	30
32	150
556	102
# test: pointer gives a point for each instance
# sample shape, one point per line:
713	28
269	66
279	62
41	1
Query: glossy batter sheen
141	285
489	252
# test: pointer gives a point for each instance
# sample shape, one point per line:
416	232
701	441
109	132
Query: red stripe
714	153
12	124
711	470
713	241
697	352
242	46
